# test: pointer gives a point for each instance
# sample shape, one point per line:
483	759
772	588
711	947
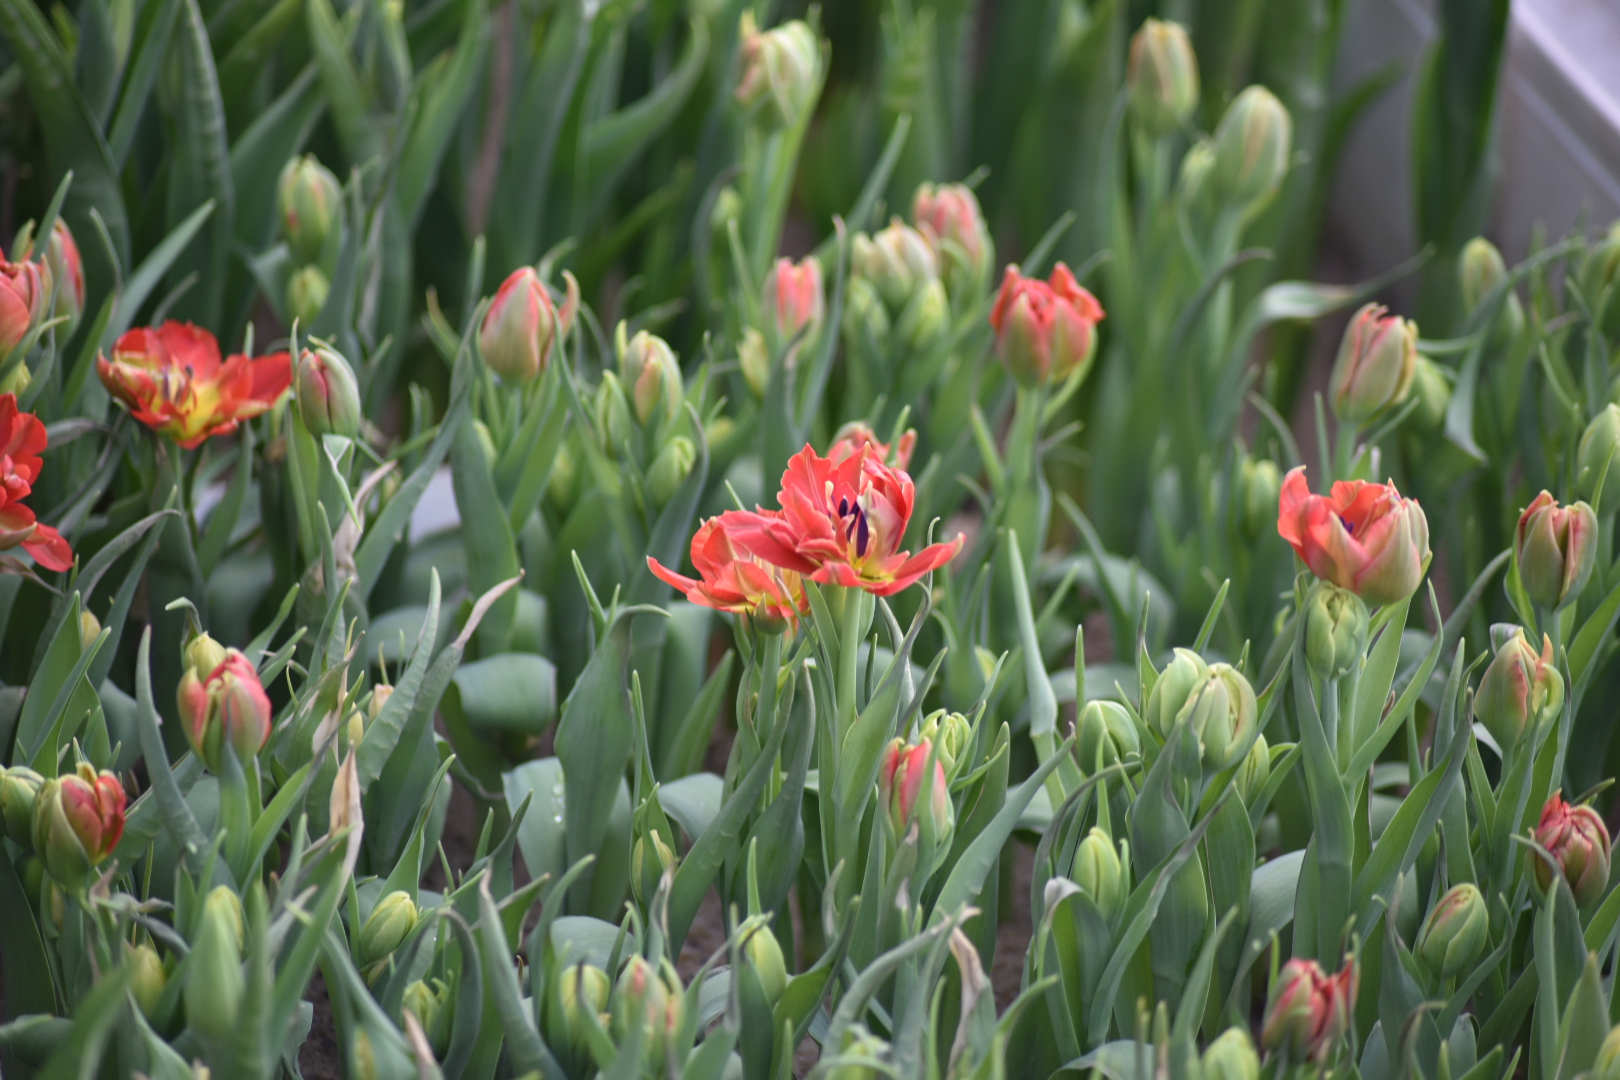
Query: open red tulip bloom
731	579
22	437
1360	536
841	523
172	380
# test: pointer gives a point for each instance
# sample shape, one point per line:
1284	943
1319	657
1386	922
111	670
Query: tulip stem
770	663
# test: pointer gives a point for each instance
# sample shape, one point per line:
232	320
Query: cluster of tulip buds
309	202
641	413
781	72
1309	1012
36	287
71	823
1215	702
222	703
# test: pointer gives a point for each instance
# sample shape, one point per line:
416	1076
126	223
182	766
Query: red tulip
523	325
1579	841
900	786
854	435
1045	331
22	437
793	297
172	380
949	215
841	523
23	292
732	579
1555	549
1309	1011
227	704
78	820
1362	537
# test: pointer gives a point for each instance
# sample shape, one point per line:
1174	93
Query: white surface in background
437	509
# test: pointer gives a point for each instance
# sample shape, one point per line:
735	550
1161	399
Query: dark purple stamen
1349	526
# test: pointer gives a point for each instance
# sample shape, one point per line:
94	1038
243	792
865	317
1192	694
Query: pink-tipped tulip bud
901	782
1521	693
225	705
897	261
307	290
949	216
1578	841
328	395
793	298
23	292
1375	367
1555	548
1454	934
523	325
78	820
651	376
1231	1057
1252	144
1597	460
310	202
764	955
1335	630
651	999
63	270
1100	873
781	71
19	787
1163	77
1045	330
1309	1011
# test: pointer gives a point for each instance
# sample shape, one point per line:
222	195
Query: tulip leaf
25	969
523	1044
389	526
541	837
200	171
247	55
258	153
346	93
439	108
671	533
491	548
79	1055
693	801
1373	744
139	285
147	53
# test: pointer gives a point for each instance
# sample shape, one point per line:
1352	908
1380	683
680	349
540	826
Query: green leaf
248	55
258	154
24	965
140	284
388	528
146	57
440	106
346	92
200	171
492	555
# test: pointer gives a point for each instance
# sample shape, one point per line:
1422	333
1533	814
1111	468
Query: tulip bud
1231	1057
379	700
614	419
1598	459
1375	367
584	988
644	877
1521	692
1252	143
1107	735
1433	390
949	215
328	395
1335	630
647	998
204	654
307	290
1578	841
19	787
1195	185
1163	77
1172	689
670	469
146	977
900	786
78	820
433	1008
1098	871
1480	269
1555	547
16	382
563	487
897	261
1607	1066
63	270
310	202
652	376
1255	771
781	71
1308	1012
793	298
1046	331
390	922
226	906
23	291
89	628
728	207
1221	711
860	1045
1259	482
523	325
952	736
1454	934
926	319
866	320
754	358
764	954
214	983
226	704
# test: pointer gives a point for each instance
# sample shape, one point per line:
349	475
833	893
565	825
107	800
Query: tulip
764	955
78	820
1335	630
1107	735
225	905
433	1008
670	469
1578	841
1375	367
1521	692
1454	934
328	396
793	299
1258	484
860	1046
523	325
19	787
651	376
1231	1057
1171	690
952	736
1432	389
897	261
89	628
584	987
614	420
1045	330
781	71
1252	144
1195	185
63	269
225	705
926	319
649	999
866	320
730	578
855	435
900	788
644	877
841	523
1221	711
1100	873
754	358
23	293
1607	1066
1363	537
1554	548
563	487
214	984
1163	77
1252	775
18	381
307	290
146	977
310	202
386	928
1309	1012
172	380
1480	268
949	216
1597	461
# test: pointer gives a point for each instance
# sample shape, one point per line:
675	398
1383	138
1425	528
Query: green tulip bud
563	487
89	628
227	907
203	654
926	318
1453	936
614	419
1521	692
1335	630
754	358
17	381
307	290
328	395
1259	485
952	737
584	987
433	1008
19	786
310	202
865	317
1170	691
214	983
1598	459
644	877
1255	770
1480	269
1163	77
781	71
1195	185
146	977
651	375
898	261
1231	1057
860	1046
1107	735
1221	711
764	953
1433	390
1100	873
486	442
391	920
728	207
670	469
1252	144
